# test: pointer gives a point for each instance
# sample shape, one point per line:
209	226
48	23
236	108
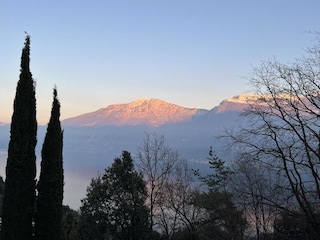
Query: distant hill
151	112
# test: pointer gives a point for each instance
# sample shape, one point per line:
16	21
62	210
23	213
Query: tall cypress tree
50	186
19	195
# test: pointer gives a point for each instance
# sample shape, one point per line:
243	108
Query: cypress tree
19	194
50	186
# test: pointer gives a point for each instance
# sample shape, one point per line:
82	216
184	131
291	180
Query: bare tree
157	162
257	191
284	127
178	210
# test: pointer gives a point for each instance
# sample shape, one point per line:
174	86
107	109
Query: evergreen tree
114	207
50	186
217	180
1	194
19	195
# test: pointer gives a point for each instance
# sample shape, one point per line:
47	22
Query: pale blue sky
191	53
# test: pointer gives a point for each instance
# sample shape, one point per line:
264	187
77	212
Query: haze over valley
92	140
160	120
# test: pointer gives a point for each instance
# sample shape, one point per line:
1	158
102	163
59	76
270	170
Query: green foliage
218	179
115	204
19	194
50	186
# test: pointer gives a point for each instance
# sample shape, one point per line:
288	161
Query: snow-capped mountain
152	112
237	103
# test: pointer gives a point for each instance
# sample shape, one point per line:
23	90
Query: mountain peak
237	103
143	111
244	98
141	100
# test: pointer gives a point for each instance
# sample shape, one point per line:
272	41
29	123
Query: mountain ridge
90	149
152	112
145	111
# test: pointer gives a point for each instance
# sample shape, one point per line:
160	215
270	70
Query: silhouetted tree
50	186
70	223
257	191
19	195
216	181
1	194
157	162
292	226
282	128
223	220
115	204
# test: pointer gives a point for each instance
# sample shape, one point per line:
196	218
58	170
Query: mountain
237	103
93	140
153	112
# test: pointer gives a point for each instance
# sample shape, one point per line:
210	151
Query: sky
102	52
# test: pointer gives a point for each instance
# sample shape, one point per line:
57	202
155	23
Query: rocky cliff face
152	112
